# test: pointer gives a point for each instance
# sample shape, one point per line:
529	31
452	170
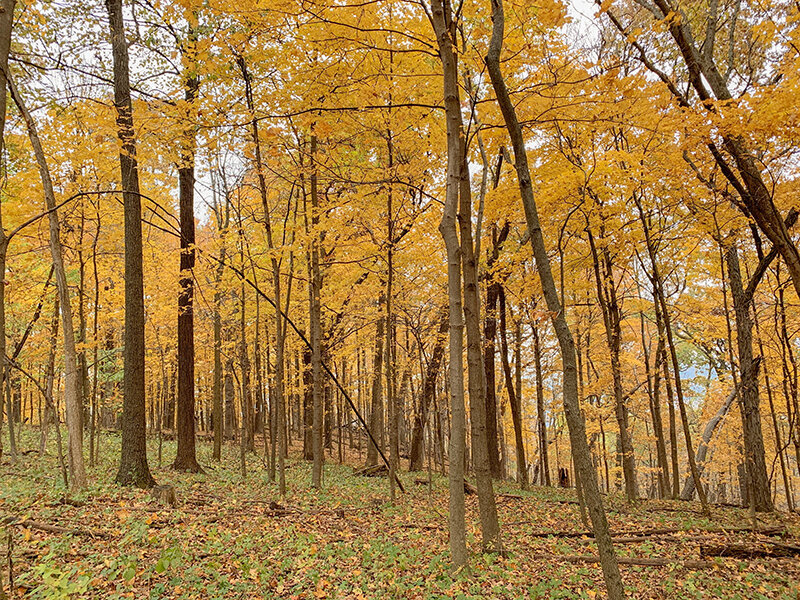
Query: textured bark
749	397
577	427
133	469
6	25
186	459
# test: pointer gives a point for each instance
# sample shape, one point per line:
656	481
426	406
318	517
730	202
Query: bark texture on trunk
133	468
444	29
186	459
577	427
748	397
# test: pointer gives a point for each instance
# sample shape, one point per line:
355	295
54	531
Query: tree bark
749	397
6	25
133	468
316	328
428	392
572	410
444	29
72	398
186	459
514	400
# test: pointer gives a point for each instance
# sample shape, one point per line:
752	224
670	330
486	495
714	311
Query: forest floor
225	539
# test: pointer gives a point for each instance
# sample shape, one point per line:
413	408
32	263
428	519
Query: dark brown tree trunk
376	404
186	459
133	469
315	319
544	458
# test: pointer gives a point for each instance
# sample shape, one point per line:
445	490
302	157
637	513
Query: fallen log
637	562
766	549
777	530
378	470
11	520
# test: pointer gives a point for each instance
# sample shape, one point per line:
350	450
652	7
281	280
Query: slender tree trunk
577	427
444	29
514	400
376	404
544	459
612	316
428	394
72	398
316	328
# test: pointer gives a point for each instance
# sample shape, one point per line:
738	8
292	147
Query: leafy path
230	539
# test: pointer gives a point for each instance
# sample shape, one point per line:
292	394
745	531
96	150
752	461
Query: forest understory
234	538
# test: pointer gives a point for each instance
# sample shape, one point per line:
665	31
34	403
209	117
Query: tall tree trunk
749	400
72	399
544	458
315	318
6	25
444	29
612	317
577	427
376	403
133	468
186	459
218	414
654	393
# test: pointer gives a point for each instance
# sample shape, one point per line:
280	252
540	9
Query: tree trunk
705	440
572	410
612	317
544	459
514	400
428	393
72	398
376	405
749	398
186	459
133	468
444	29
316	328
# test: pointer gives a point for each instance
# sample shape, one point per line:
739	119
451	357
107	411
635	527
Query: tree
575	422
133	468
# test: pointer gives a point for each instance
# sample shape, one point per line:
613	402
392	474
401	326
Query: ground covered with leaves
235	538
